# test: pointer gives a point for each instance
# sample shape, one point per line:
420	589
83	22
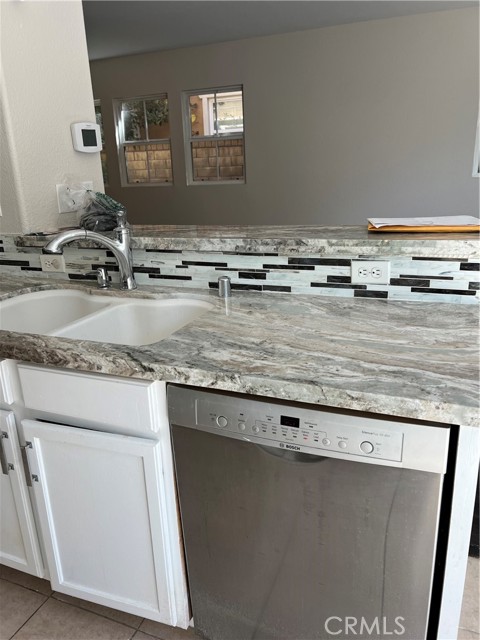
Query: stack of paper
442	223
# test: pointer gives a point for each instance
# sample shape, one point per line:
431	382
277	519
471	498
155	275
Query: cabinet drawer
126	404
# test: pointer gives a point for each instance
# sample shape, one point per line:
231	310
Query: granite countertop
294	240
406	359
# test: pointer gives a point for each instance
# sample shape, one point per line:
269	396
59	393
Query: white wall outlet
370	272
54	263
70	199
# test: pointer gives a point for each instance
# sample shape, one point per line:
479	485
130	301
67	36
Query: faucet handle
121	218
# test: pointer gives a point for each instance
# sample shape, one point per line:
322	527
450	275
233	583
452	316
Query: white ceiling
124	27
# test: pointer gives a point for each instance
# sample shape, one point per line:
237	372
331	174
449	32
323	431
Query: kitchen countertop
406	359
293	240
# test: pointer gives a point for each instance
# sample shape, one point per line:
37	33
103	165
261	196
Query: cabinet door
19	546
104	518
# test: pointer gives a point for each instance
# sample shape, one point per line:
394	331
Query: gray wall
342	123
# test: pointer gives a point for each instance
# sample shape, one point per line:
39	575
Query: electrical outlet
53	263
370	272
70	200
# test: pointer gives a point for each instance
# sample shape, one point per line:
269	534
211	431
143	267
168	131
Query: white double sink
82	316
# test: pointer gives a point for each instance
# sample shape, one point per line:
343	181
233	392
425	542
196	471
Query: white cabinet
104	518
103	489
19	544
112	403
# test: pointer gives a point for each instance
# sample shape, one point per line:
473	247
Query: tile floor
30	610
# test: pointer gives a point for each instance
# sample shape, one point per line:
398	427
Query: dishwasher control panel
301	430
313	429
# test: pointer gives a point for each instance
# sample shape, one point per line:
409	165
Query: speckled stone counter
417	361
294	240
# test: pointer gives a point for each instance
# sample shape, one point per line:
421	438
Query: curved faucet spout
56	244
119	246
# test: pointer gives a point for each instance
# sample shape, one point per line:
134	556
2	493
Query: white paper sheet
441	221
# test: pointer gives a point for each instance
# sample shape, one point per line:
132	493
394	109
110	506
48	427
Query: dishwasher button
366	447
326	442
222	421
255	429
241	426
342	444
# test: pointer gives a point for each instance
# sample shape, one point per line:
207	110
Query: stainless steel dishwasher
303	523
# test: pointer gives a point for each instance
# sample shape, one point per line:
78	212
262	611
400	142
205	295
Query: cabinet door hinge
28	476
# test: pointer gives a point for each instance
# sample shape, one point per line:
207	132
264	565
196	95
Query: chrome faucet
119	246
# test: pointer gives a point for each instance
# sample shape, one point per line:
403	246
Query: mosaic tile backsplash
428	279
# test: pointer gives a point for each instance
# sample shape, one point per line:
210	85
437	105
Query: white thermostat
86	137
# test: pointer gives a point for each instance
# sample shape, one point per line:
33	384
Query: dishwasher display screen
288	421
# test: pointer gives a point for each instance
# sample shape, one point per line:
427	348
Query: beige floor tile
470	606
17	604
57	620
466	634
141	636
165	632
119	616
26	580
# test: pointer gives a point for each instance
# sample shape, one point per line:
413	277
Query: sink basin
135	323
82	316
44	311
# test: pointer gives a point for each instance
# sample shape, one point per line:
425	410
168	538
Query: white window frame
205	95
98	103
476	153
122	143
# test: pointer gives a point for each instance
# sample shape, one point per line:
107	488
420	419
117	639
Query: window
214	135
103	153
143	135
